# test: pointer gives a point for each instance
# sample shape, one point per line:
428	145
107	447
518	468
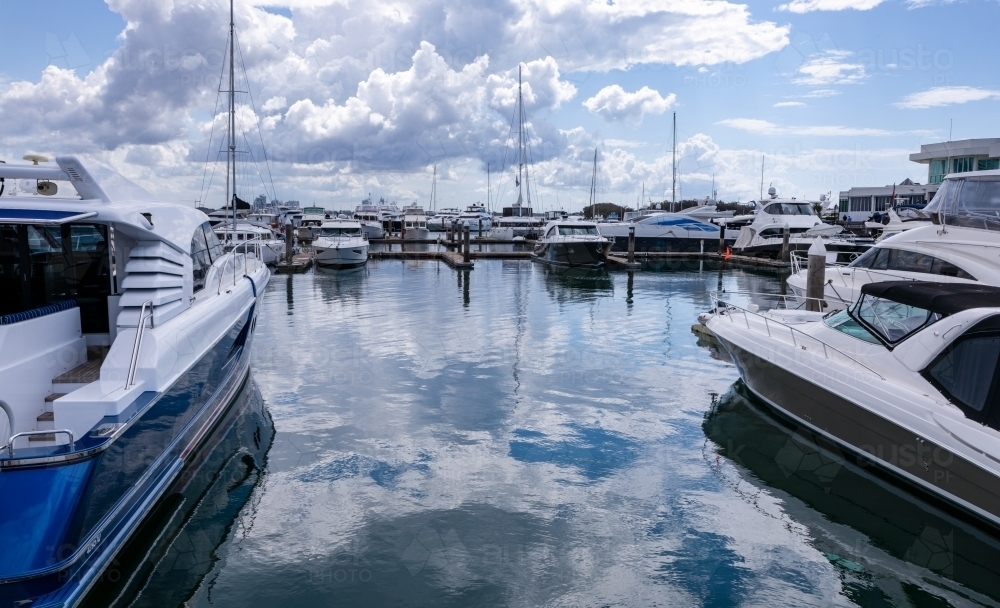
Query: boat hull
580	254
105	498
339	258
932	469
416	234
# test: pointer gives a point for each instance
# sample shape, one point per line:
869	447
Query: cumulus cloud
789	104
353	87
831	67
763	127
808	6
944	96
613	103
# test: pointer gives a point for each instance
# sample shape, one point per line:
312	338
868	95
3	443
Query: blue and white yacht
125	334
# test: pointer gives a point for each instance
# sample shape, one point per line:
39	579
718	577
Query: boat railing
799	339
10	442
137	344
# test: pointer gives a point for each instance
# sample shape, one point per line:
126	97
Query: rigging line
259	174
503	164
246	79
208	154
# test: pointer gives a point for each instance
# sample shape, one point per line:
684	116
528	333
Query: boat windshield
891	321
573	230
843	322
970	202
341	232
900	260
789	209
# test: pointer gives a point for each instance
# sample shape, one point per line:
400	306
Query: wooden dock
300	263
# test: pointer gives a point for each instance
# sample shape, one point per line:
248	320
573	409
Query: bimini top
942	298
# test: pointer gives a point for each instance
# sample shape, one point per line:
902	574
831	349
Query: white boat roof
339	223
101	195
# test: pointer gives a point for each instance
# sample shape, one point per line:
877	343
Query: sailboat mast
520	136
434	188
673	168
489	203
231	156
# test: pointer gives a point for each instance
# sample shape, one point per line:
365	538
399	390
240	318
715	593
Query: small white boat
371	219
272	247
415	223
442	220
475	216
572	244
341	244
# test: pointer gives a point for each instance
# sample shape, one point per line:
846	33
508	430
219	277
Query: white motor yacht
895	222
517	221
415	223
906	379
371	219
341	244
961	245
662	231
309	226
764	235
125	338
572	243
476	217
272	250
442	220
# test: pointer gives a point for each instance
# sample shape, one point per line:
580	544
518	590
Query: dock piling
631	244
289	245
722	239
465	257
816	276
784	243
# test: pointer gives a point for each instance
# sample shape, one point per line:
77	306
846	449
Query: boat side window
215	250
881	258
891	321
575	230
788	209
201	259
966	372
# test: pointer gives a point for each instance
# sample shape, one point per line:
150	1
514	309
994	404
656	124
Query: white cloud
820	93
789	104
613	103
808	6
830	68
944	96
763	127
275	103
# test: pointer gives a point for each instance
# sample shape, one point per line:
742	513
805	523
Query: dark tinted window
201	259
880	258
41	265
965	372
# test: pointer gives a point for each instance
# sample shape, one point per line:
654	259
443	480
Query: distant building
858	204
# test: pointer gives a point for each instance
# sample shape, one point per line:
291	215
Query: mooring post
465	257
454	234
289	229
480	229
631	244
784	243
816	276
722	239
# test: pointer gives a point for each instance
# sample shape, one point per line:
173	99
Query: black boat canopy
942	298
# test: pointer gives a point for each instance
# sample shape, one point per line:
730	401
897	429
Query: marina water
523	437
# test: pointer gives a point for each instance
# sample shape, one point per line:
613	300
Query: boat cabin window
789	209
966	372
42	265
891	321
205	249
575	230
882	258
770	233
341	231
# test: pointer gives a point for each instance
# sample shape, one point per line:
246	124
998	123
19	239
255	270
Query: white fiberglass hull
341	254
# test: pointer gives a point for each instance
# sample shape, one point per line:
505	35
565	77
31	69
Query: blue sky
856	91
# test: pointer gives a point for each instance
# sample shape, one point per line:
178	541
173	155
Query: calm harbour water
515	436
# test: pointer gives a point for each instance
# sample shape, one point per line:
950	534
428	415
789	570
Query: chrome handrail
137	344
10	442
790	301
792	332
222	271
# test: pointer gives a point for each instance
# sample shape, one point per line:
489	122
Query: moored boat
341	244
121	350
572	244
